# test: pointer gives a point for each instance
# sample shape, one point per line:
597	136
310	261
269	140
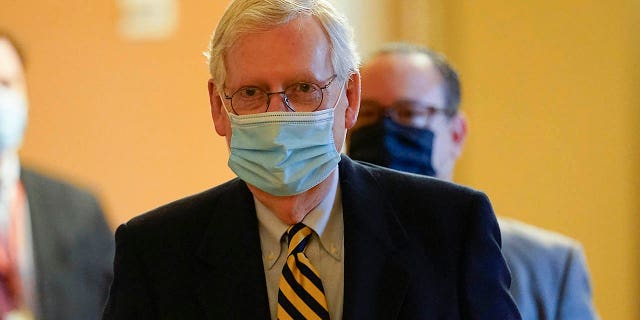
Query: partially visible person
410	121
304	232
55	245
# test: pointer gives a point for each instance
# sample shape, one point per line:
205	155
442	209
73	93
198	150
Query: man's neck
9	165
292	209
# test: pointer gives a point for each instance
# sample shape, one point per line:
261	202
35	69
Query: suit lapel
232	277
376	261
376	270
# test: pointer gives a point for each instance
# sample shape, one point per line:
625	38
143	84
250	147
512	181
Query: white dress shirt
325	249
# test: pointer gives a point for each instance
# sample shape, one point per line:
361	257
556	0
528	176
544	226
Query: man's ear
353	96
218	114
458	129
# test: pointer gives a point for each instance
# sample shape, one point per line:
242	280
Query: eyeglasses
405	112
298	97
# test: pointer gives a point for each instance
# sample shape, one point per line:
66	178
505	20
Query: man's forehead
390	77
298	47
402	64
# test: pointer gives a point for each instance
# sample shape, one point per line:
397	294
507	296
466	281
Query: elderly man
303	232
409	121
55	245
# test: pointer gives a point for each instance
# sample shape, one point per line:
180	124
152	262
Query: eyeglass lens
300	97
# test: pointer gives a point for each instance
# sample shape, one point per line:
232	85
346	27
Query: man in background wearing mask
55	246
409	121
303	232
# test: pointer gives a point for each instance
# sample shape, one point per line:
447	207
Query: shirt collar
325	220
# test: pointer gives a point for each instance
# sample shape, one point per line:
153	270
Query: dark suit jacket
73	249
550	277
415	248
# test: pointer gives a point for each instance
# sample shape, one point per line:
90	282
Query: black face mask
394	146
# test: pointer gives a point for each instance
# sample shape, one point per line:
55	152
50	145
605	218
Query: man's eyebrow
307	77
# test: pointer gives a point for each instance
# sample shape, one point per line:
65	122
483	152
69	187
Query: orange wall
129	119
550	88
552	94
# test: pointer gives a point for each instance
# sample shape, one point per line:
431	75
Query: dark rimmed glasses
405	112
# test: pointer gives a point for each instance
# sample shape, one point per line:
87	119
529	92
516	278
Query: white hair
249	16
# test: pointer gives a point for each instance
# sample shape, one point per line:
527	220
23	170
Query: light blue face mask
283	153
13	118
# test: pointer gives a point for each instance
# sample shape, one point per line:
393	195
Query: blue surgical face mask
13	118
283	153
394	146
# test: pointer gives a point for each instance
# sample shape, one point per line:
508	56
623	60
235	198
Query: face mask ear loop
339	95
224	105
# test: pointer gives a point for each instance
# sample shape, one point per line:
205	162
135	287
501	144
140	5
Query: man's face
390	79
11	72
272	60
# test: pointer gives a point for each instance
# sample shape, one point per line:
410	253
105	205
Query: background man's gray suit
73	249
549	273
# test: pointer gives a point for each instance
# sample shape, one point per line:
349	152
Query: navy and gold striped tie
301	295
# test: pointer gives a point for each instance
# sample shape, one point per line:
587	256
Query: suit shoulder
549	271
527	247
409	183
522	235
186	211
55	199
177	229
418	200
46	183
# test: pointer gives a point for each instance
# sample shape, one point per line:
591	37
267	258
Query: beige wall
550	89
552	95
129	119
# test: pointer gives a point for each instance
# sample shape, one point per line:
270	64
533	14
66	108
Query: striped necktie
301	295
